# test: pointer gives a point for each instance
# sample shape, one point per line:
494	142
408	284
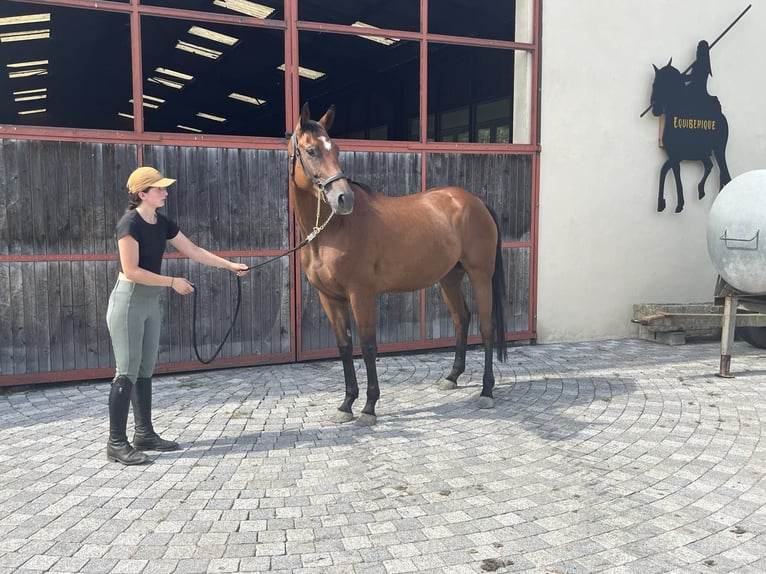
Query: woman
134	314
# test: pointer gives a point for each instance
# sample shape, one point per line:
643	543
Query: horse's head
666	88
314	162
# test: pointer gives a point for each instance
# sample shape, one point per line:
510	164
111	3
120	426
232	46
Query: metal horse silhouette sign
694	127
692	124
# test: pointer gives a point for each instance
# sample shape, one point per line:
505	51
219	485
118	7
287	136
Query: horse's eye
311	151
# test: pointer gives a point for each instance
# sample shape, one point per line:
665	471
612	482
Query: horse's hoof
679	209
702	194
342	417
366	420
447	385
486	403
661	206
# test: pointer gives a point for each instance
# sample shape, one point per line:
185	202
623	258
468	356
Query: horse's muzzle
340	196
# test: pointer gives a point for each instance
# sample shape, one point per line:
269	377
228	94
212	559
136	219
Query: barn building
534	106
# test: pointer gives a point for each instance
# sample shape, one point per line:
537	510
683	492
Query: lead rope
308	239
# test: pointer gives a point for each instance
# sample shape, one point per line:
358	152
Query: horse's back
473	213
434	202
443	209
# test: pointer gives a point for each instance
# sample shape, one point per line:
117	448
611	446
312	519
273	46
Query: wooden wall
229	200
60	201
58	207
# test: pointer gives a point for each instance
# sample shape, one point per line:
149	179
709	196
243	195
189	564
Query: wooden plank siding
504	182
54	198
228	200
60	202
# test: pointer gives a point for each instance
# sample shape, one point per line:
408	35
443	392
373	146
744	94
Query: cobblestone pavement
614	456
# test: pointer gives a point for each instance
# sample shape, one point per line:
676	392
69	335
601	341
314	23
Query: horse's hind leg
481	283
723	168
363	305
708	164
461	317
719	151
337	313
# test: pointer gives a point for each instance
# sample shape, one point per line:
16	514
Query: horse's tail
498	295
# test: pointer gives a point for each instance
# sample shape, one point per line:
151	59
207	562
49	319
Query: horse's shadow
517	402
522	403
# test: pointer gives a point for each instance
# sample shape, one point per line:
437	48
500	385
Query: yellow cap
145	177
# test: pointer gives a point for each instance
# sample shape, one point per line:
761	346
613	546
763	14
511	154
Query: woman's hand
239	268
182	285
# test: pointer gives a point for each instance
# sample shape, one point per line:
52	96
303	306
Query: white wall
603	245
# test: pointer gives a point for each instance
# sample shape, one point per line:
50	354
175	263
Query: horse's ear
328	118
656	69
305	116
670	61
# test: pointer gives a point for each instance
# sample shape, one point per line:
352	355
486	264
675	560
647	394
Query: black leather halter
320	183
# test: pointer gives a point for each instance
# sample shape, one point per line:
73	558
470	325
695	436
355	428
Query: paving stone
616	456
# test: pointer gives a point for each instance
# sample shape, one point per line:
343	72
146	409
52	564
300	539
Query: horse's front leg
363	307
679	187
337	313
708	163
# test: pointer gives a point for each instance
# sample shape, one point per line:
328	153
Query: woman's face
154	196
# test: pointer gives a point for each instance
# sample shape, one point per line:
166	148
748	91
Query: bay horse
383	244
694	128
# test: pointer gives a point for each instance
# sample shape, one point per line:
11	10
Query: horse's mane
364	187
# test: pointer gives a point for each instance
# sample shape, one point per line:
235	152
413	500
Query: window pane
454	121
391	14
473	18
490	112
211	78
472	89
72	70
374	87
265	9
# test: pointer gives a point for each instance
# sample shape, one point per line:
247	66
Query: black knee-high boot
118	448
145	438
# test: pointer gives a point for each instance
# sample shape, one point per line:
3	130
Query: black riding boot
118	448
145	438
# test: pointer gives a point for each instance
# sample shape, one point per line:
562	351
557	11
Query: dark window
493	19
468	101
374	86
229	78
211	78
67	68
387	14
265	9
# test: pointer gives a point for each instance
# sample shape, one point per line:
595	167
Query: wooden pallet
672	323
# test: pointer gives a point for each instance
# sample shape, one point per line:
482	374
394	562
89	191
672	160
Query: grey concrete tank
736	232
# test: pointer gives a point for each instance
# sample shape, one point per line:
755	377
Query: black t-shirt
151	238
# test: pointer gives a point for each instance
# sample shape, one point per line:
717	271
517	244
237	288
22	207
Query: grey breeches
134	318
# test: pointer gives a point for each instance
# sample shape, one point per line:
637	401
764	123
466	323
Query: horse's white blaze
326	141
